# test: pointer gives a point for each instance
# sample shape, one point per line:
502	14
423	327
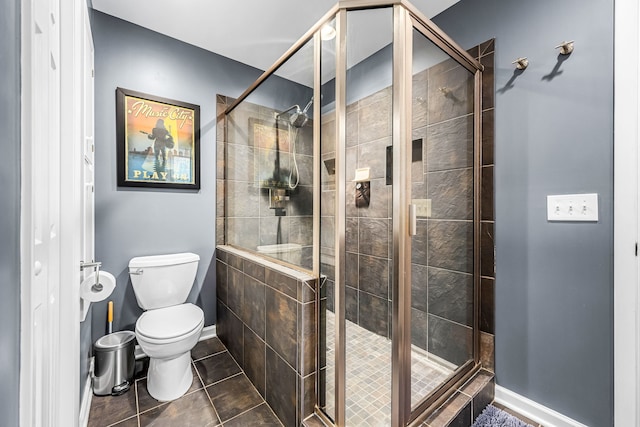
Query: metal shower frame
405	18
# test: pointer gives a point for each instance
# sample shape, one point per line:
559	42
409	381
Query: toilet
170	327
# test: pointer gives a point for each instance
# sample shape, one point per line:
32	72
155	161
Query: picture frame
158	141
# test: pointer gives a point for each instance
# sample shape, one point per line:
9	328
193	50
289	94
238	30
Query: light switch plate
423	207
573	207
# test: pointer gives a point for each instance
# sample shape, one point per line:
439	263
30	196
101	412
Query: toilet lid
170	322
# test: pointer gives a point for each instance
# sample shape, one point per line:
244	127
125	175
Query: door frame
626	220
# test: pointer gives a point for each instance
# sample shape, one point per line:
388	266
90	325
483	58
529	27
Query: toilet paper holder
96	266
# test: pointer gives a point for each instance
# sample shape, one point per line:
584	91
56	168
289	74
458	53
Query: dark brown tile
281	327
419	328
419	287
129	422
281	388
450	144
234	261
419	99
483	397
306	338
222	254
487	47
146	402
451	245
313	421
488	93
254	269
486	204
254	354
474	52
451	341
374	118
261	415
190	410
216	368
451	194
373	275
450	94
351	235
107	410
373	313
487	353
488	137
221	281
307	399
235	288
207	348
487	305
220	198
372	155
351	269
306	290
487	248
253	306
451	295
373	237
243	232
379	204
233	396
455	412
282	282
351	304
419	243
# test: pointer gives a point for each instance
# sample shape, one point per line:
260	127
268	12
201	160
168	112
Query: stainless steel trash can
114	363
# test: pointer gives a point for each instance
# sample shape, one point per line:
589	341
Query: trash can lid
115	340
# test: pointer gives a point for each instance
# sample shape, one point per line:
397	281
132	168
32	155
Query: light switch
573	207
423	207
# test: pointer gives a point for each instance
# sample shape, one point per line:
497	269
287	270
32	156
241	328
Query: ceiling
254	32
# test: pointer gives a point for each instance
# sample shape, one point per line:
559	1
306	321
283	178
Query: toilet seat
168	324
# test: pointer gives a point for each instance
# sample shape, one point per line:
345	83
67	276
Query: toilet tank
163	280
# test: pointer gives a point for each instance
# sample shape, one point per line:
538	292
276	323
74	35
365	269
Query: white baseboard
207	332
533	410
87	394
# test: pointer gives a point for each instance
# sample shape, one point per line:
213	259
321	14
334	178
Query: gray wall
554	281
128	221
131	222
10	218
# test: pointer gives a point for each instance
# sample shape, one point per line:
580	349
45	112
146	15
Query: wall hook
565	47
521	63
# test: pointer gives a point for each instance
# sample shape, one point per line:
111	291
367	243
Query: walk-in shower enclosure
356	158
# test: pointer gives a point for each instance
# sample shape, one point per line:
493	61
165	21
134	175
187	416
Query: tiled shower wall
267	320
442	285
247	154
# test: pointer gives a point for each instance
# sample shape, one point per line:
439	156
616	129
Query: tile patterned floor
368	381
221	395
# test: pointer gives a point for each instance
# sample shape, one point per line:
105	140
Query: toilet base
168	379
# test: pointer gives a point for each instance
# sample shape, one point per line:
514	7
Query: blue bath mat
494	417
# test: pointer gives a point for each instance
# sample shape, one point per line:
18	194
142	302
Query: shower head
299	117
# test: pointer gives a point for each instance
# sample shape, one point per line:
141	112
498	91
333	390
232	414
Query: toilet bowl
167	336
170	327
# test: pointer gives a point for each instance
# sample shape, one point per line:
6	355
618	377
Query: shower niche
357	159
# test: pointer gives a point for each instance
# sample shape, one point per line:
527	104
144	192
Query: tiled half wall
267	320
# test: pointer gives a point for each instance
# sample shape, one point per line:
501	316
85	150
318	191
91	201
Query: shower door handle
413	220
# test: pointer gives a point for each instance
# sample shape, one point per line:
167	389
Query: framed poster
158	141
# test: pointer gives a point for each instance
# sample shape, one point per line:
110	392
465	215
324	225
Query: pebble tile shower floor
221	395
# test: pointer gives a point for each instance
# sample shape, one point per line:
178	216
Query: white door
40	239
626	293
57	132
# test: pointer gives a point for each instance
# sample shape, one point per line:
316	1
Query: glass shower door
442	192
